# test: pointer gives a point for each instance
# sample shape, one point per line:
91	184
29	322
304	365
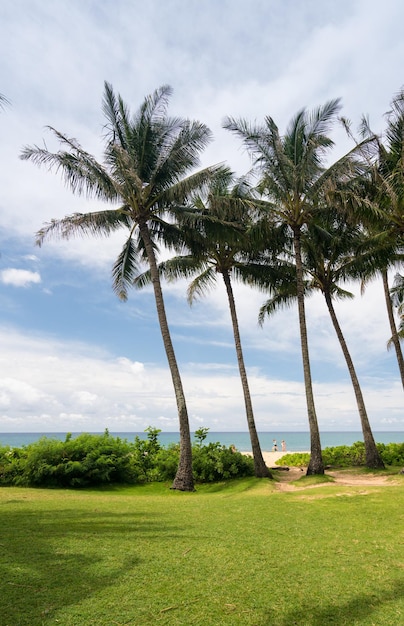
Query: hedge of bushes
349	456
90	459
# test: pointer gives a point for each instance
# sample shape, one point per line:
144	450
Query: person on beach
274	446
283	445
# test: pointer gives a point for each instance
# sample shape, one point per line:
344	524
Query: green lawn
232	554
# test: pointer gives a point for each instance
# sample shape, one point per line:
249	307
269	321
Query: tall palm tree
295	180
385	226
218	233
145	173
330	255
390	180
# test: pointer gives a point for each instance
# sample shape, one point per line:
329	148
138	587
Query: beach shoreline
271	458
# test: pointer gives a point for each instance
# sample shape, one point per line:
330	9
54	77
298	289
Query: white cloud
19	278
61	386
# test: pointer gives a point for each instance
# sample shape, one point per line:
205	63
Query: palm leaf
201	284
99	223
125	269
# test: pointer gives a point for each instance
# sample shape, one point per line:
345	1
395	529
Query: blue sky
73	357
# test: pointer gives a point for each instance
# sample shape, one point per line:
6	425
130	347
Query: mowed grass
240	553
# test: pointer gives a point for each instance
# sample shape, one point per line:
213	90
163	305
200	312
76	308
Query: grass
237	553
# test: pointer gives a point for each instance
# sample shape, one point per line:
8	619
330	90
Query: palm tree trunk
260	468
394	334
183	480
316	465
373	458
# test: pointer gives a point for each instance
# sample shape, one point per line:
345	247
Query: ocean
295	441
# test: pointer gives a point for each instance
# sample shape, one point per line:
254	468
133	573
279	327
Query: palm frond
125	269
271	306
177	195
201	284
98	223
80	170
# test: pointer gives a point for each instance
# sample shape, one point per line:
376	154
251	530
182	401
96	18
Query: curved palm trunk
316	465
394	334
183	480
373	458
260	469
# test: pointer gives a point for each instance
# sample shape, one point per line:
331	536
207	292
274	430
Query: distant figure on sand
283	444
274	446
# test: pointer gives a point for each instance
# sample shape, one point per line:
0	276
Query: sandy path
341	477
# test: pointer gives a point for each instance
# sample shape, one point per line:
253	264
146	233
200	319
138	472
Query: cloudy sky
73	357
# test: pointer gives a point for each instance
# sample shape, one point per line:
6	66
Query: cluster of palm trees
301	226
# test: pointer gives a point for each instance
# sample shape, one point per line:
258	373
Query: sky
72	356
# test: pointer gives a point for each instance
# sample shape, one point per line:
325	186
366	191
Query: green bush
165	464
295	459
83	461
12	462
215	462
89	460
345	456
392	453
348	456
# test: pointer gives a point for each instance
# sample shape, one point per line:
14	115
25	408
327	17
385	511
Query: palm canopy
385	185
293	174
391	165
385	190
145	173
223	236
329	254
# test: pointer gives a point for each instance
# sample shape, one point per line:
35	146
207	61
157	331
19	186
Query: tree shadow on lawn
354	611
53	559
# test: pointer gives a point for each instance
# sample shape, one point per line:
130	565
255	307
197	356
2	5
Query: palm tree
295	181
390	180
385	225
330	256
216	231
146	158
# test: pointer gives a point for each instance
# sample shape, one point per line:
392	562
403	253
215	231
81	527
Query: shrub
12	462
83	461
215	462
392	453
345	456
165	463
348	456
297	459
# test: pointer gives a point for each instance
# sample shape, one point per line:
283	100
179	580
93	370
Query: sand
270	458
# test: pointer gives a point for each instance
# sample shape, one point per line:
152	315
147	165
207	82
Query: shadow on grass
56	558
355	611
238	485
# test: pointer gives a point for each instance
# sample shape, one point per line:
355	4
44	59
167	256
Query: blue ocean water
295	441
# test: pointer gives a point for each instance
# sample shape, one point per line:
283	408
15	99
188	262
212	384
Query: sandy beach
270	458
